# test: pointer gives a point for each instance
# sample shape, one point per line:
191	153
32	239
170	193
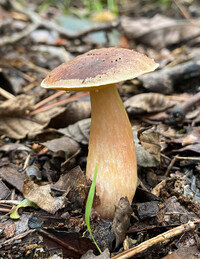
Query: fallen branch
155	240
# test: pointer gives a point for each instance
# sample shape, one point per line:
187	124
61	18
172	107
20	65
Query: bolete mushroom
111	143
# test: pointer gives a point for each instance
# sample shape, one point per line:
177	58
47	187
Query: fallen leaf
191	252
72	244
41	195
16	106
190	148
4	191
79	131
15	122
159	31
121	221
150	141
74	112
73	179
192	137
12	176
14	146
66	144
147	103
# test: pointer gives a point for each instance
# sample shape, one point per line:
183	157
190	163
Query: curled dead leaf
79	131
121	220
149	139
69	146
41	195
147	102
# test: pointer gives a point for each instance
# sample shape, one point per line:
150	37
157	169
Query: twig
11	202
30	86
62	102
6	94
155	240
170	166
70	158
48	99
183	11
188	158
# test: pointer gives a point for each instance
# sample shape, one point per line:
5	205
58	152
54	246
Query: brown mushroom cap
97	68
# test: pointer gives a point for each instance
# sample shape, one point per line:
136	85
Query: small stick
62	102
170	166
188	158
74	155
155	240
48	99
6	94
30	86
10	202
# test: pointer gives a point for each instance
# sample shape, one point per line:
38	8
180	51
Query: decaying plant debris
44	134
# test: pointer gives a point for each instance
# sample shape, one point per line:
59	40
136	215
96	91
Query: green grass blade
89	206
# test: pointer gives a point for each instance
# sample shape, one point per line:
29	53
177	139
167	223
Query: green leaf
88	207
25	203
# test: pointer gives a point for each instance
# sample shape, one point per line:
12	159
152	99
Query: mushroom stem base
111	145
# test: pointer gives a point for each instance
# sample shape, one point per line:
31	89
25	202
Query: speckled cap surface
99	67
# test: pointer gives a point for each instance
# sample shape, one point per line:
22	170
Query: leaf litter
43	147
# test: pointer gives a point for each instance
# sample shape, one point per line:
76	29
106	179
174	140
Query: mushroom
111	143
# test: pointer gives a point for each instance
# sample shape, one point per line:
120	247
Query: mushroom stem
111	145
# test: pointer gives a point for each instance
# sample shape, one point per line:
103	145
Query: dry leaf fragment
17	106
190	148
159	31
71	180
69	146
11	176
150	141
121	220
192	137
41	195
79	131
148	102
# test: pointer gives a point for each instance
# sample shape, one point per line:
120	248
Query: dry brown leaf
79	131
121	221
12	176
189	148
17	106
73	179
147	102
69	146
159	31
15	122
74	111
41	195
150	141
192	137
